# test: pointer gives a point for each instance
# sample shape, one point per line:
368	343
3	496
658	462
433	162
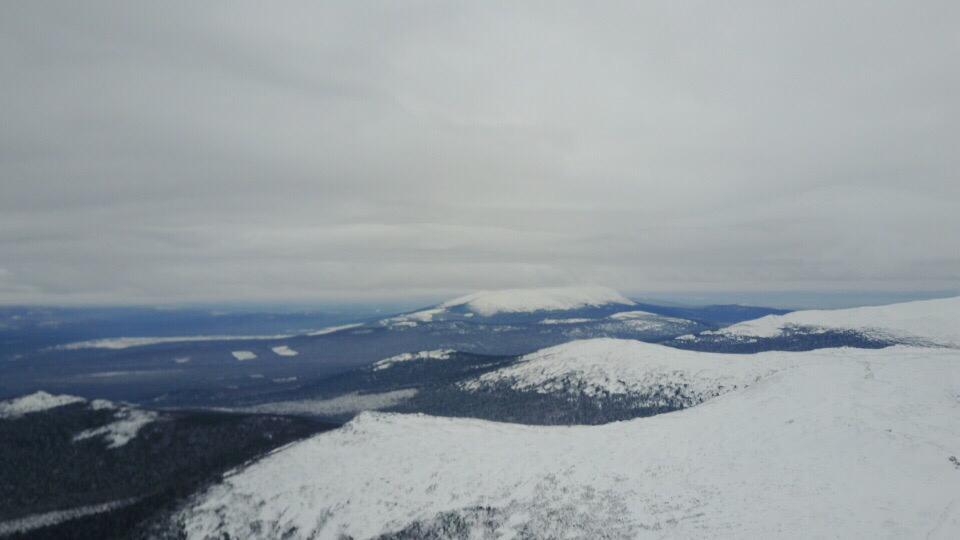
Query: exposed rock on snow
845	443
35	402
439	354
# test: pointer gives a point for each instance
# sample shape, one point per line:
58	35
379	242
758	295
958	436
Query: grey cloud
307	151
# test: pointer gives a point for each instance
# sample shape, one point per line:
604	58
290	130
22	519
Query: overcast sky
208	151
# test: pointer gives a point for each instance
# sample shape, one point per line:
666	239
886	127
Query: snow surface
244	355
345	404
633	315
931	322
489	303
846	443
128	422
35	402
332	329
284	350
127	342
438	354
566	321
605	366
36	521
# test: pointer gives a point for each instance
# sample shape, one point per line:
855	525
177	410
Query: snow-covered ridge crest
489	303
438	354
606	366
35	402
933	322
827	448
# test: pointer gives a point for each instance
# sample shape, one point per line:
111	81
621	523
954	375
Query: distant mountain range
218	369
757	443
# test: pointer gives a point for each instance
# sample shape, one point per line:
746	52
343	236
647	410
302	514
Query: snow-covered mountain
517	305
837	443
933	322
925	323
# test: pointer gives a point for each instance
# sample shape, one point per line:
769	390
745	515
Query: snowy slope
603	367
847	443
934	322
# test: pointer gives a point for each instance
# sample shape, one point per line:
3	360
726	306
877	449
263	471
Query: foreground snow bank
845	443
933	322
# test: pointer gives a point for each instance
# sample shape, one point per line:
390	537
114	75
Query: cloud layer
189	152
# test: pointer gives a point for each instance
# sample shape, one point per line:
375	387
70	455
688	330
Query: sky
332	151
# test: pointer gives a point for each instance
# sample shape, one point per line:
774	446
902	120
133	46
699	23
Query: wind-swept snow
596	367
438	354
35	402
846	443
932	322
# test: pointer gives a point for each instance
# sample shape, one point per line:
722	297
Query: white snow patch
345	404
127	342
332	329
181	359
35	402
284	350
128	422
36	521
565	321
849	443
243	355
438	354
633	315
935	322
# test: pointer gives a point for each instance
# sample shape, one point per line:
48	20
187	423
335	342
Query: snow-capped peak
489	303
935	322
